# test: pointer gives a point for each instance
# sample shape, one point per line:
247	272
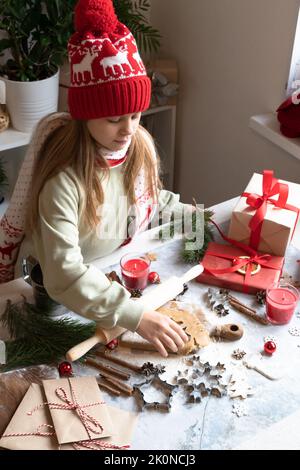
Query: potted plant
35	34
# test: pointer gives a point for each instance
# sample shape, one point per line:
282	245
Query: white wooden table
273	419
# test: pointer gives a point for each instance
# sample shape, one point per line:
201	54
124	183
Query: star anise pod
136	293
221	310
261	297
148	369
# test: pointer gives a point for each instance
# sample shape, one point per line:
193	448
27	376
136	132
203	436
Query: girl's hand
162	332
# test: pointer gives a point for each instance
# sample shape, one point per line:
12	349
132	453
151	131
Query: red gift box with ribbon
266	215
238	269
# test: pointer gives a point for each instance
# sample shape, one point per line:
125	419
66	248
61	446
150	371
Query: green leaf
39	31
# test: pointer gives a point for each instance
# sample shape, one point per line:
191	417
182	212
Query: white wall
234	58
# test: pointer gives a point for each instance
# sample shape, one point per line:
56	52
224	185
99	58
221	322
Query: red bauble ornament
270	347
154	278
113	344
65	369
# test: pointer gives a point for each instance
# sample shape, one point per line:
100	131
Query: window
294	75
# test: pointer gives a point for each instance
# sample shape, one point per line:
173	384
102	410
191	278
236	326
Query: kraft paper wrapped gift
38	432
91	421
124	426
221	257
278	224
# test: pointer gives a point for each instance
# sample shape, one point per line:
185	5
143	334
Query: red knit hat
108	77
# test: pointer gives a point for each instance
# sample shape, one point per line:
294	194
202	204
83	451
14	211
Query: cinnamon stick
235	303
141	346
109	369
119	361
118	384
109	388
136	345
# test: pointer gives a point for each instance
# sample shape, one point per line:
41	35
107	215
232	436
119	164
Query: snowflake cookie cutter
201	379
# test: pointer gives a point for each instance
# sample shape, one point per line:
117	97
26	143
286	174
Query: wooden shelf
10	138
158	109
160	122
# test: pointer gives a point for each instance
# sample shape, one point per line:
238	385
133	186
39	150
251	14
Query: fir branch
188	255
13	320
39	339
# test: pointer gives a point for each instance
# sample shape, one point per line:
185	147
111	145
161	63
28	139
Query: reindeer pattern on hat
100	61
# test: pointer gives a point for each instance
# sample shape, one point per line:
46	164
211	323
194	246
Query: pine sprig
188	255
37	338
194	256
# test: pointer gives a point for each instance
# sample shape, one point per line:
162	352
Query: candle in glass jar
135	270
281	302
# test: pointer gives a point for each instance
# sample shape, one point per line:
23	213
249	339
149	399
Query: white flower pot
28	102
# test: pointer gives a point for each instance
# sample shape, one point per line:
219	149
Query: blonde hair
71	145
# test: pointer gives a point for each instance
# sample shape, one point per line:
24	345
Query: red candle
281	303
135	270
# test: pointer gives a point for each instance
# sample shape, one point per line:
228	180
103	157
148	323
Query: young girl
95	167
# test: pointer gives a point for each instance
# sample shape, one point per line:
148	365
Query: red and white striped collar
114	159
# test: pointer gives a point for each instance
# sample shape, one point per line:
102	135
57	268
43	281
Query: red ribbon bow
271	187
254	257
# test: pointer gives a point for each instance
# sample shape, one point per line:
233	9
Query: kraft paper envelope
67	423
23	422
278	225
124	425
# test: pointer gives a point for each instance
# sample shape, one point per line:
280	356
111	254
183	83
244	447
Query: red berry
269	347
113	344
154	278
65	369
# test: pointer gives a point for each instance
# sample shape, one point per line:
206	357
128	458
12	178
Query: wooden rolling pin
101	336
158	296
229	332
